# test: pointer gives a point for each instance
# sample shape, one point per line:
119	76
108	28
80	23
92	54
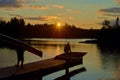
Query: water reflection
7	57
102	61
110	59
67	76
5	45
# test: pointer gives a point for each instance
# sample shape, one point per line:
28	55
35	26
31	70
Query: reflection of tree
113	48
110	57
4	44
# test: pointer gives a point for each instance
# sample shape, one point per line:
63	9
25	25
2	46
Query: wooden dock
36	70
31	70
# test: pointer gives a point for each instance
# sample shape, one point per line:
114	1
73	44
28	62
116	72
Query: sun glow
58	25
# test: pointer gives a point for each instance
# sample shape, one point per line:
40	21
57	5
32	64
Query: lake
101	62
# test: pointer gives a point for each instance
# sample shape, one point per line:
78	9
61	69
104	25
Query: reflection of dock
67	76
36	70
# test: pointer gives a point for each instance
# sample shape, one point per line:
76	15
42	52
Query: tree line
109	33
17	29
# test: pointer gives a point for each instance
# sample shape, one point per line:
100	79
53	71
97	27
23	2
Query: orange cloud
117	1
38	7
45	7
39	18
70	17
55	6
100	12
58	6
47	18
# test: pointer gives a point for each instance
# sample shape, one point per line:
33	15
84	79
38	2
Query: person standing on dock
67	48
20	56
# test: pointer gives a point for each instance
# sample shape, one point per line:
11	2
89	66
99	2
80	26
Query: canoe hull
17	42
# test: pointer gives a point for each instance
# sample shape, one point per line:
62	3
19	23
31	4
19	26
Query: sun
58	24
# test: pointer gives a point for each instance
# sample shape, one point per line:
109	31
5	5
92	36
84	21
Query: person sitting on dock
67	48
20	55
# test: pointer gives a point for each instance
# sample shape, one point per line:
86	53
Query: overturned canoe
16	42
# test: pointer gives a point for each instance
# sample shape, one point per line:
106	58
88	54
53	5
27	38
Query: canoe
71	56
16	42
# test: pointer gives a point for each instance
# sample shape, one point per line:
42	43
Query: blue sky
82	13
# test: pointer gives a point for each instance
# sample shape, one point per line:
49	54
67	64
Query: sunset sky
81	13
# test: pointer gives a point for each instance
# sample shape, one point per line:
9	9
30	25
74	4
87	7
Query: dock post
66	70
66	67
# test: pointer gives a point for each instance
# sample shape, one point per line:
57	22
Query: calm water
101	63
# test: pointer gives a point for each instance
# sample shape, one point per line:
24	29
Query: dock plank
7	72
42	65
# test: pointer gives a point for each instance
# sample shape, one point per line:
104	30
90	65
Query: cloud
38	7
49	6
55	6
102	18
26	1
45	7
118	1
11	3
113	15
42	18
111	10
39	18
14	3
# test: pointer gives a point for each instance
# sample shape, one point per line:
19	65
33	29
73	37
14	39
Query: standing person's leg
18	61
22	59
17	64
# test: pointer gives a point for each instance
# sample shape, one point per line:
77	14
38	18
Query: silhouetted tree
106	24
117	23
17	28
109	34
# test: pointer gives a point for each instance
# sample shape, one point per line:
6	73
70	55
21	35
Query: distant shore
90	41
